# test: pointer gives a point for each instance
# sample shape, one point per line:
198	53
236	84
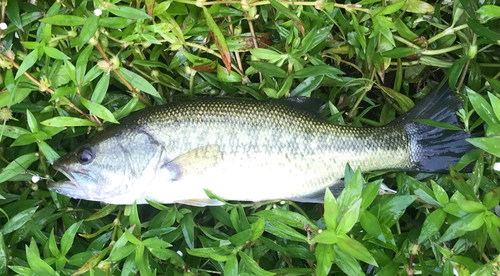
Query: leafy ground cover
69	68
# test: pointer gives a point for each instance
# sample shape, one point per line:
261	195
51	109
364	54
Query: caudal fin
432	148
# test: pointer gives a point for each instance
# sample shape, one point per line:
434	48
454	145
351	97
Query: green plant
69	68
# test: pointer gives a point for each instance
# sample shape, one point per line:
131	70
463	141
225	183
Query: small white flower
16	35
97	12
35	178
179	252
3	26
496	166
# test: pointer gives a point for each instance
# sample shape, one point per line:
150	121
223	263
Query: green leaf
4	256
459	182
156	243
465	224
18	220
18	166
482	107
139	82
67	122
355	249
266	54
128	12
331	212
219	40
165	254
325	257
54	53
314	38
284	231
291	218
36	264
68	237
268	69
220	254
63	91
284	10
257	229
317	70
50	154
470	206
432	224
114	22
99	110
307	86
81	64
327	236
100	89
64	20
349	218
27	63
13	13
400	52
490	145
231	266
253	266
32	123
134	219
106	210
88	30
225	77
487	12
481	30
440	194
351	193
369	222
187	226
438	124
239	239
347	263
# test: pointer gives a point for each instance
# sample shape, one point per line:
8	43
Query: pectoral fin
194	162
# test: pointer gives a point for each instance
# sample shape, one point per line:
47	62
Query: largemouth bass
250	150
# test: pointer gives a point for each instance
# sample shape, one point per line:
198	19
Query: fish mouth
69	187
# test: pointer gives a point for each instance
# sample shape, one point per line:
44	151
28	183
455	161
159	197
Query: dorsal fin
311	105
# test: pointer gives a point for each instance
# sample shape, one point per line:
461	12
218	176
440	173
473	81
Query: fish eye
85	156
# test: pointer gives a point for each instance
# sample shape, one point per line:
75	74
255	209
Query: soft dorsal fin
311	105
193	162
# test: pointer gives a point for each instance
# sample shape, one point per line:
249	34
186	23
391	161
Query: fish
250	150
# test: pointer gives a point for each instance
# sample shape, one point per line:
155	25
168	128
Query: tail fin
432	148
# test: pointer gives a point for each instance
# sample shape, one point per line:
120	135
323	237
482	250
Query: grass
69	68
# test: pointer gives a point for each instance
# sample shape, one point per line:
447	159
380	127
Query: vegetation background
69	68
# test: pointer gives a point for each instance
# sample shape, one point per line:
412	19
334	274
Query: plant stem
447	32
442	51
406	42
125	82
48	89
260	3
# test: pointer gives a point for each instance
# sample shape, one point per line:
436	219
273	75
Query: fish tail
433	148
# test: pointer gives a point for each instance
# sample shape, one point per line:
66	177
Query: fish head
97	171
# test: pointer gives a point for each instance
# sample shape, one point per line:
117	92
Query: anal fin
201	202
319	196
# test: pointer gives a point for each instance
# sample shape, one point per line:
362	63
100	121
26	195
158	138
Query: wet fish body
250	151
